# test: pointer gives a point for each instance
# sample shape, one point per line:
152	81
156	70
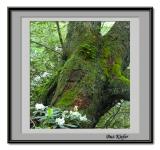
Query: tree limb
60	35
45	47
64	56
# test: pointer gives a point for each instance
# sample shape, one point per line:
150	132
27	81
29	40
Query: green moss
67	98
104	66
87	85
103	61
116	71
118	60
124	80
88	51
106	52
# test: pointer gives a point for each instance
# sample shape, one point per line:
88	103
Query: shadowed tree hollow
94	74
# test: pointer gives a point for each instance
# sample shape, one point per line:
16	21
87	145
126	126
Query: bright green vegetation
45	56
67	99
52	118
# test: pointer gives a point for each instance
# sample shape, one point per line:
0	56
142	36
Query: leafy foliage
45	55
52	117
117	117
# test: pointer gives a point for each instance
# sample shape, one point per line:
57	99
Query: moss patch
88	51
67	98
116	71
85	76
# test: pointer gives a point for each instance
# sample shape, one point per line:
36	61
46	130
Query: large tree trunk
94	74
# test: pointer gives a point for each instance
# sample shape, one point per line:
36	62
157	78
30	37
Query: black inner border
9	39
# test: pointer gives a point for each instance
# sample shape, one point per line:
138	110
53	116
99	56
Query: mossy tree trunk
93	76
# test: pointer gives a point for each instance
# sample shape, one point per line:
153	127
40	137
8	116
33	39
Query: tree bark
94	75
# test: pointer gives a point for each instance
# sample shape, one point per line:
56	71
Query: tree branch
60	35
117	40
64	56
45	47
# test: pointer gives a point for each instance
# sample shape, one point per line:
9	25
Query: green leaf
70	126
49	112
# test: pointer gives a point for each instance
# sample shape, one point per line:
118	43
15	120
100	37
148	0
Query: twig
33	123
45	47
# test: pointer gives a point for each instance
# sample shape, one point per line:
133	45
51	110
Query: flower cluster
56	118
60	121
71	115
77	115
39	107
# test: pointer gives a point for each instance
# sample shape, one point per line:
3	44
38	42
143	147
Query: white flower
75	108
70	111
118	103
121	100
75	114
39	106
45	74
60	121
83	118
64	113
